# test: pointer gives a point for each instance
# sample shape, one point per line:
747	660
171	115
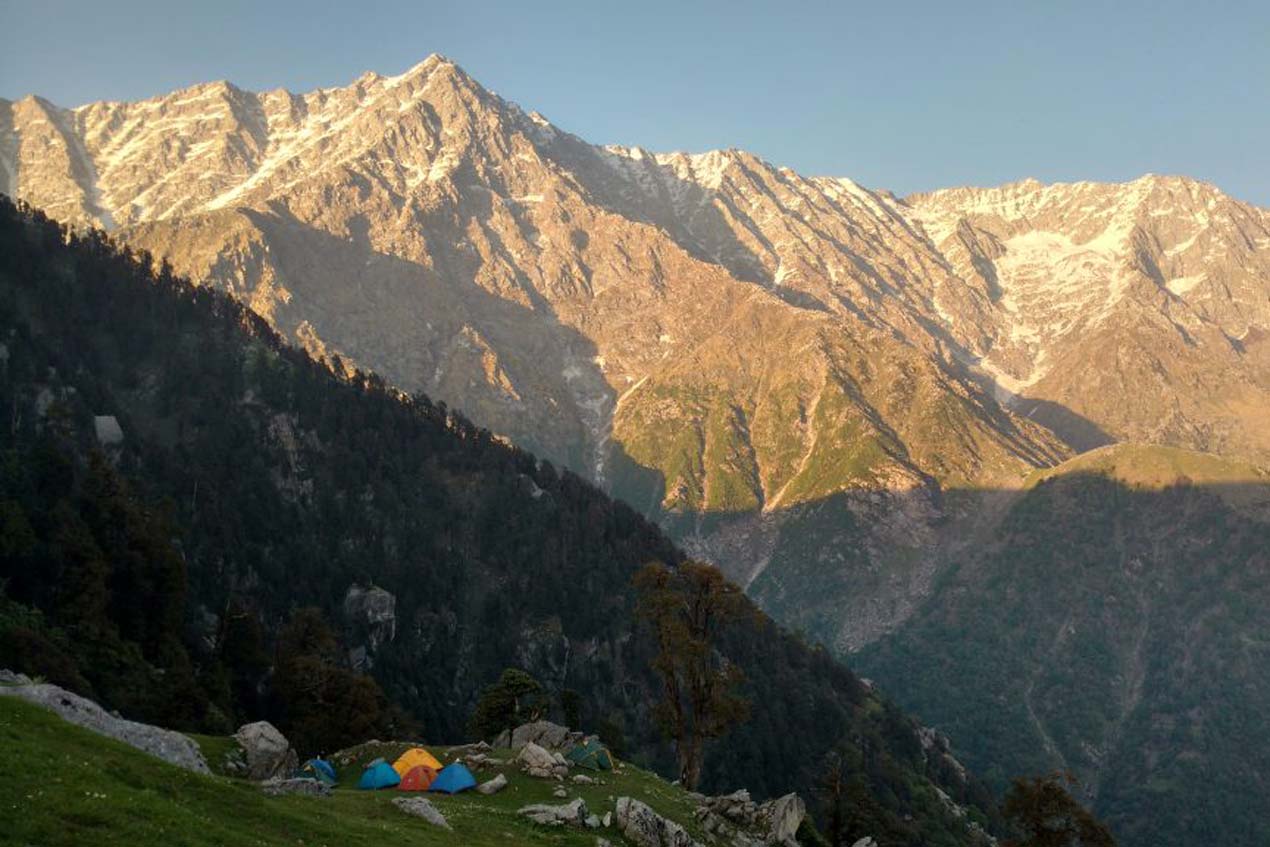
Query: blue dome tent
378	775
452	779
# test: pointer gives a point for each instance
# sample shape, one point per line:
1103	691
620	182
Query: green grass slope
63	785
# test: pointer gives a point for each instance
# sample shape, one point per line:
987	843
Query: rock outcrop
639	823
172	747
545	734
543	764
371	614
574	813
737	819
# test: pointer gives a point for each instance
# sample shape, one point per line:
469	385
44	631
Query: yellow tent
412	758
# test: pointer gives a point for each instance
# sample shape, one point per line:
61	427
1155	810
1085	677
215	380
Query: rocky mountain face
827	389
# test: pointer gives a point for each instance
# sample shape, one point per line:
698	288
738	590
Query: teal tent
379	774
592	755
321	770
452	779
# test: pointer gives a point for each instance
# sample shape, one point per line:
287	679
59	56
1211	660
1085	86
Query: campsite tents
592	755
319	769
379	774
453	779
413	757
418	778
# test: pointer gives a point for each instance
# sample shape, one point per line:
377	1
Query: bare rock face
268	752
372	615
646	828
108	431
173	747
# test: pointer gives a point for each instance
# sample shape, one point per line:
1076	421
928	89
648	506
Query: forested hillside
1114	624
177	483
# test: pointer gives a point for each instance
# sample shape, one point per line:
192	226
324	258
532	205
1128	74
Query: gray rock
543	733
592	822
646	828
171	747
372	615
308	787
867	841
494	786
573	813
108	430
8	677
421	807
783	816
583	779
560	792
503	740
268	752
537	762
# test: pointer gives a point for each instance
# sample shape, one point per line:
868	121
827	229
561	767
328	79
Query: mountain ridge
815	384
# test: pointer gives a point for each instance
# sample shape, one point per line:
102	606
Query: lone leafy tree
516	698
688	607
1046	815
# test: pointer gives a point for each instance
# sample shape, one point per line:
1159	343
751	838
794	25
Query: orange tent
415	756
418	778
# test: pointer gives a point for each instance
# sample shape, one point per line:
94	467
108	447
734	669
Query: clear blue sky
907	96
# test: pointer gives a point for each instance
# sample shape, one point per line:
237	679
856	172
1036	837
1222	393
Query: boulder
308	787
494	786
573	813
503	740
782	818
646	828
269	754
866	841
537	762
172	747
421	807
560	792
543	733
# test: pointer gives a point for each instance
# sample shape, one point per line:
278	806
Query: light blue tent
378	775
452	779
